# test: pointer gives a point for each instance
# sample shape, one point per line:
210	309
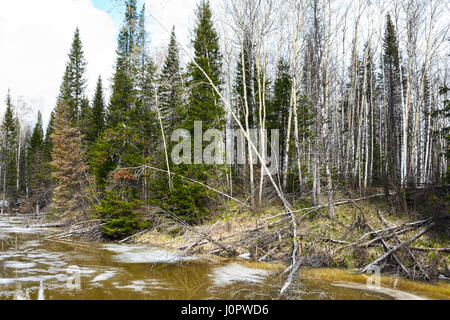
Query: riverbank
351	241
363	231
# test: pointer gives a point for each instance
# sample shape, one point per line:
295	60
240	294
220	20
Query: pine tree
72	92
70	173
9	150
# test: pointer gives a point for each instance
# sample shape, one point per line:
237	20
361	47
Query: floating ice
104	276
234	272
144	254
19	265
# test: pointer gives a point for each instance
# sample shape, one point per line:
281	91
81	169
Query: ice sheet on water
19	265
144	254
21	230
223	276
396	294
104	276
6	281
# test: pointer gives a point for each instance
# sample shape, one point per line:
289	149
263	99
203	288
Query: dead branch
386	223
291	276
190	180
401	245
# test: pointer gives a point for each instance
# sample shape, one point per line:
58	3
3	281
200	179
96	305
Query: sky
35	39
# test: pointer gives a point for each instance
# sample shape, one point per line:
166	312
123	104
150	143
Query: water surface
32	267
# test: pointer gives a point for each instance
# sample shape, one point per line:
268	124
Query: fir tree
129	136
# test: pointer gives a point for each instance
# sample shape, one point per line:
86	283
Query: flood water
32	267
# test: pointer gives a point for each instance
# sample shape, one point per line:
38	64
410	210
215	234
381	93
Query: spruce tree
128	139
393	96
38	170
85	123
72	92
48	142
9	151
98	110
278	113
187	199
171	86
70	172
204	104
123	96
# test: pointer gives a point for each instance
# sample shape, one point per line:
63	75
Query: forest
358	91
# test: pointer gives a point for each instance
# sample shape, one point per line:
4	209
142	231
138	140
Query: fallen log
291	276
446	250
207	237
386	223
338	203
133	236
51	225
70	233
396	248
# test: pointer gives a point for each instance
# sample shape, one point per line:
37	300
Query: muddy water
32	267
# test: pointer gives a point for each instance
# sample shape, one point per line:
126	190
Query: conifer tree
9	150
128	139
278	112
171	86
98	110
204	102
123	96
393	96
70	172
37	165
73	87
48	142
86	124
185	199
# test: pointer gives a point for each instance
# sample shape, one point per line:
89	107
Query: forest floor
361	232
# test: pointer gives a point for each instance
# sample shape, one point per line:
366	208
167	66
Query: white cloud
35	38
162	15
